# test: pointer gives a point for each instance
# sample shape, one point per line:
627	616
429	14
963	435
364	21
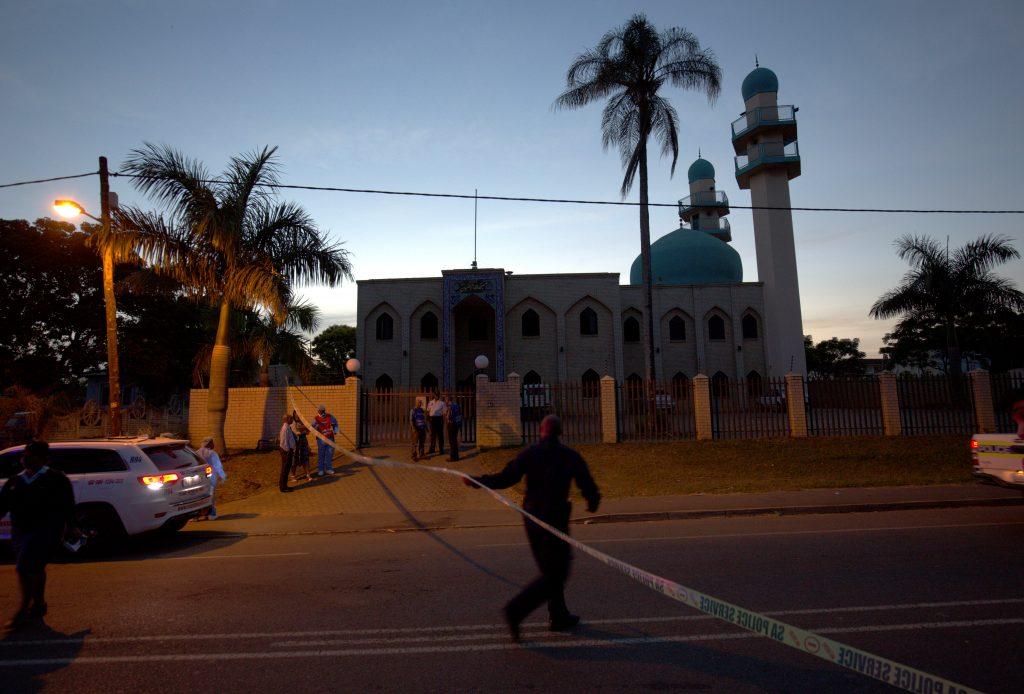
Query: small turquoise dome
759	81
699	169
690	256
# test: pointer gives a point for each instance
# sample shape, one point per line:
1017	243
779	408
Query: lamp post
70	209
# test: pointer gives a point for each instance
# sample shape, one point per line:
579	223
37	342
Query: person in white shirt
213	460
435	410
286	444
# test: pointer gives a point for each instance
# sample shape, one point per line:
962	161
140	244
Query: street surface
938	590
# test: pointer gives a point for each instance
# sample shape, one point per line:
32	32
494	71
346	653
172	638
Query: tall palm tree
228	239
948	288
628	67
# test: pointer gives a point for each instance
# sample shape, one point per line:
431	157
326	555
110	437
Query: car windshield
172	457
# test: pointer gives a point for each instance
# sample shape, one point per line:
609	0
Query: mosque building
426	332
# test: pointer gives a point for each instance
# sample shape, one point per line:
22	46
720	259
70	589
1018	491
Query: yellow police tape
868	664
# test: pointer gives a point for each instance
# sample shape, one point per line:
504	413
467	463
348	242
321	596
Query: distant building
426	332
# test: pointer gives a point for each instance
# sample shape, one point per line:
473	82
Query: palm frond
983	254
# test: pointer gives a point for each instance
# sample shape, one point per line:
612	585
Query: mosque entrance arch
473	334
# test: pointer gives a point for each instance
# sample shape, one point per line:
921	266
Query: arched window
479	329
591	383
716	328
428	326
677	329
531	323
720	384
428	384
750	331
634	378
681	385
588	321
755	385
631	330
532	378
383	384
385	327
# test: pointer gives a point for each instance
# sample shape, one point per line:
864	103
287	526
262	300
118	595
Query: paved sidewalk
360	498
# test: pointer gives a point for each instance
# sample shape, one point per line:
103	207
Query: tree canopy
834	357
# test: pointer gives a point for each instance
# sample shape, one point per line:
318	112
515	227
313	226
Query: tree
834	357
946	289
628	67
335	346
992	339
229	240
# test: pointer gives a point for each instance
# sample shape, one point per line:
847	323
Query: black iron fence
846	406
747	409
385	416
936	405
577	404
1006	388
655	411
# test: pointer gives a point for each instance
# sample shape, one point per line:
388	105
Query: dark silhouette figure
549	468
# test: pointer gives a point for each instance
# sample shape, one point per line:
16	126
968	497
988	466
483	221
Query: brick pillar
609	420
891	423
498	421
349	413
984	412
702	407
796	406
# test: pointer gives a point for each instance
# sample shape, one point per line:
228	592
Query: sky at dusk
902	104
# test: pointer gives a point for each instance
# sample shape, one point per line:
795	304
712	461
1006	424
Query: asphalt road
938	590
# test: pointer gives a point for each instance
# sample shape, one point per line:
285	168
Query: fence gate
384	416
655	411
848	405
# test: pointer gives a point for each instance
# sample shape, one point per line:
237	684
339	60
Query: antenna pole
475	192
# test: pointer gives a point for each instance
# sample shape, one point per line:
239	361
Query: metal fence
577	404
1005	387
846	406
749	409
655	411
936	405
384	416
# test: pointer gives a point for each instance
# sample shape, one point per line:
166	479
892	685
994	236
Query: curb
799	510
650	516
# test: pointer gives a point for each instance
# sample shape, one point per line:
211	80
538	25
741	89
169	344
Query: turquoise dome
690	256
759	81
699	169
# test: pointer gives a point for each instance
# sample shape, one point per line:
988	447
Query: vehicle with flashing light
124	486
998	458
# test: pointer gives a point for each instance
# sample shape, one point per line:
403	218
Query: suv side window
10	464
80	461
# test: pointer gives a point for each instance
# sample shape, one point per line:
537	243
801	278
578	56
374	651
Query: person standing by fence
435	410
286	445
300	458
549	467
452	422
327	426
418	424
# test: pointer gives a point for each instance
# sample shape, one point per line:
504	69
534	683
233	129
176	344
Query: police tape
860	661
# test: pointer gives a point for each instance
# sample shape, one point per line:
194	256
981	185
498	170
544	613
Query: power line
562	201
47	180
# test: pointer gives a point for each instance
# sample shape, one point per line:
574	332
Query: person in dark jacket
41	503
549	468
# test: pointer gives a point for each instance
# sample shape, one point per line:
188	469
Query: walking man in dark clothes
41	503
549	468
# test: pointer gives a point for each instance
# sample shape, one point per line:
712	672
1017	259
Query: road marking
781	532
475	647
242	556
490	627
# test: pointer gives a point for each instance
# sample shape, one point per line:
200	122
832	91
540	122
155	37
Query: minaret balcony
702	200
722	231
777	119
768	155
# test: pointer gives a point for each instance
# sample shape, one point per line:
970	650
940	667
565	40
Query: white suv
125	485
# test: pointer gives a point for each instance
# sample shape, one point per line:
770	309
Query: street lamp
69	209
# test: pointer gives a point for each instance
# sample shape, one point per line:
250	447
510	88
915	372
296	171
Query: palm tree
948	288
229	240
628	67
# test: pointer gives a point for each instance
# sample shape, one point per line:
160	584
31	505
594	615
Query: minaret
705	208
764	138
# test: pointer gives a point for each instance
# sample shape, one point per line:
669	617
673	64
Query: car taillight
974	443
158	481
209	471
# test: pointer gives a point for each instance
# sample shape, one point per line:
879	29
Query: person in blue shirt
208	454
42	504
452	424
418	423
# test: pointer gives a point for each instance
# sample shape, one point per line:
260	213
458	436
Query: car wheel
174	525
95	526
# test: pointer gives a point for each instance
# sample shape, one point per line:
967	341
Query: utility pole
110	302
